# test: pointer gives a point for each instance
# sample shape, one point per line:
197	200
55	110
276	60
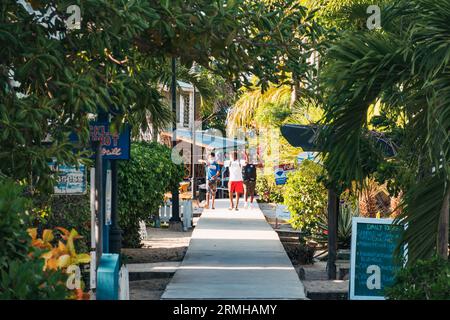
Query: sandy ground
161	245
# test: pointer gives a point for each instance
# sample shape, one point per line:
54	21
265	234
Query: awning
305	137
301	136
207	140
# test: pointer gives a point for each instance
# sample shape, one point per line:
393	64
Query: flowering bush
62	256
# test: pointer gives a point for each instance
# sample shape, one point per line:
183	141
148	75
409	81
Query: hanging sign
115	145
71	180
280	173
373	265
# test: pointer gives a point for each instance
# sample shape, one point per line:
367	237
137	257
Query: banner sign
70	179
115	146
373	266
280	173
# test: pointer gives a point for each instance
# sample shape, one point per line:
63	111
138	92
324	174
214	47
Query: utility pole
175	221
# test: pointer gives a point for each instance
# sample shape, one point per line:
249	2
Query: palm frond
362	66
421	208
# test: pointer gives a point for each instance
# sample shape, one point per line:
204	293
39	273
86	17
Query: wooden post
333	203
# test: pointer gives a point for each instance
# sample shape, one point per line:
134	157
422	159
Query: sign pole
99	200
175	221
115	239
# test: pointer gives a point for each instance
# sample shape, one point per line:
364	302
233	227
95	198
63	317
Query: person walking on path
235	184
212	177
249	176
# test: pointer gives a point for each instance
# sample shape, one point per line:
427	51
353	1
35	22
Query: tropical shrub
267	189
305	197
143	180
344	232
60	255
424	280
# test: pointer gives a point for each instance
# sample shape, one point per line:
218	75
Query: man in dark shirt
249	175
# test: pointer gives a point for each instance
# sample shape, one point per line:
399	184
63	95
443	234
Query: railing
165	213
124	283
186	213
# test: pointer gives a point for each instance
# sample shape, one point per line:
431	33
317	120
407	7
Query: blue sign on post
115	145
373	264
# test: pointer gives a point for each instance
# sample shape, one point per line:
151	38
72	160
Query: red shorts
236	186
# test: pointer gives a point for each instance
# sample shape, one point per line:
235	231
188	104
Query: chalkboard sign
373	264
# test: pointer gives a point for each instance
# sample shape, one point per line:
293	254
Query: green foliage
305	196
25	280
403	69
272	114
52	78
69	212
425	280
22	276
267	189
143	181
237	36
13	222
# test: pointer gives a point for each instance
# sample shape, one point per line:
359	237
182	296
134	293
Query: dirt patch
148	289
151	255
161	245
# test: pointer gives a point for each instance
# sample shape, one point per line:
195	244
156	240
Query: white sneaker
251	206
246	205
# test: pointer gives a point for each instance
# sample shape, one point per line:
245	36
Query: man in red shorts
235	184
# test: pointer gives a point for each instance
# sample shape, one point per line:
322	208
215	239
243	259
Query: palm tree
405	67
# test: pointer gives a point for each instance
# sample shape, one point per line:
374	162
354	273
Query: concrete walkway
234	255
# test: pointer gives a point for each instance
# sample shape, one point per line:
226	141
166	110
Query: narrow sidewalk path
235	255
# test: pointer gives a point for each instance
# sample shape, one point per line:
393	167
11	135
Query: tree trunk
442	238
154	133
296	87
